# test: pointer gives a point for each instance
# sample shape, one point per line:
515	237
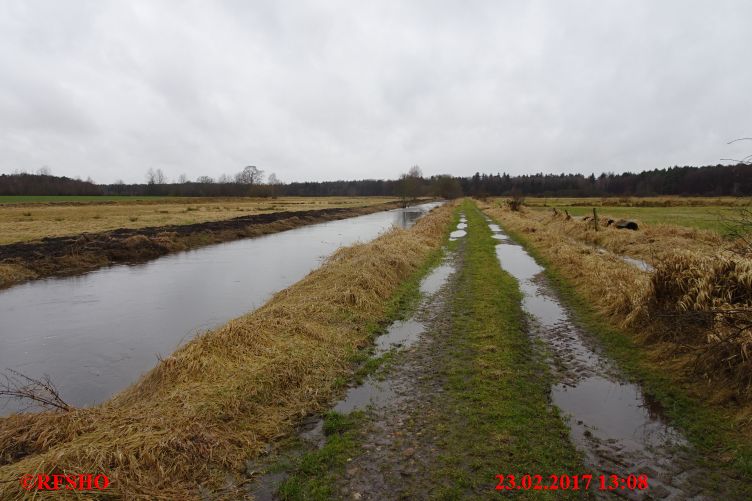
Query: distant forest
716	180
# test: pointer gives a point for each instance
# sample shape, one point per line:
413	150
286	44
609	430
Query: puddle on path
611	421
461	230
373	392
402	333
637	263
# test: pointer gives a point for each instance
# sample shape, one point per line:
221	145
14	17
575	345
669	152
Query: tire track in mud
619	429
399	446
396	450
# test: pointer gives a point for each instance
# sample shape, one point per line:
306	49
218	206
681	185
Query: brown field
77	253
21	222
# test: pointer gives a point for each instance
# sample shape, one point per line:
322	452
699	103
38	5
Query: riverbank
69	255
226	395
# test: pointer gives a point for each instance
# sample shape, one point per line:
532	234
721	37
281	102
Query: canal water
95	334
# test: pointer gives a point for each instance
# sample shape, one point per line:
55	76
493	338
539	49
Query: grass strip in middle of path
498	418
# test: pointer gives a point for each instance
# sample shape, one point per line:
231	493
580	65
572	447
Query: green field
702	217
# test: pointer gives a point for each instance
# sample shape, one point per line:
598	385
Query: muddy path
398	402
74	254
620	429
407	445
399	443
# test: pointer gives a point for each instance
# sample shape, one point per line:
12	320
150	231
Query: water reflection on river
94	334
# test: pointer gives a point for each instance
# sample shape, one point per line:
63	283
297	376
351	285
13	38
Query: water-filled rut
94	334
618	428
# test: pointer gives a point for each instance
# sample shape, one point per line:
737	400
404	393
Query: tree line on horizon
715	180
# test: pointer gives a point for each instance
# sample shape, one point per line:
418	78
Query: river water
95	334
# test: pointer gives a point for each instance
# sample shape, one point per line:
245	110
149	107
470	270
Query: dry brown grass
704	304
651	243
222	397
14	273
24	222
693	314
613	286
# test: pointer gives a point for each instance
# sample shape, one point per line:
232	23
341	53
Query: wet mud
75	254
618	428
395	448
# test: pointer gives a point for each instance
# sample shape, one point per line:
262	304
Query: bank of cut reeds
705	304
695	308
224	396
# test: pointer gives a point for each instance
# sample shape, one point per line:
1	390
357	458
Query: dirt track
406	445
79	253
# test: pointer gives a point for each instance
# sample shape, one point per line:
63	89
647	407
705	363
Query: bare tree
182	179
408	186
250	175
224	179
40	392
746	160
44	171
273	182
204	180
155	176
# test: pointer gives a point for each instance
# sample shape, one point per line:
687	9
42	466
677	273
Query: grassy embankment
311	474
496	417
615	301
224	396
21	221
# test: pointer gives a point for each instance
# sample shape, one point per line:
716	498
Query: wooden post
595	218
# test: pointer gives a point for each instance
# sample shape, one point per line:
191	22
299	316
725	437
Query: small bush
516	202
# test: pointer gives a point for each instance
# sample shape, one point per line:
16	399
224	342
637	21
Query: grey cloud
339	89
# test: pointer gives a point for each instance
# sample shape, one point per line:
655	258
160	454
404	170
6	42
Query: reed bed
224	396
694	311
651	243
705	303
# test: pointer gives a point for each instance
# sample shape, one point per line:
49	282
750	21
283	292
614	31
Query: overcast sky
354	89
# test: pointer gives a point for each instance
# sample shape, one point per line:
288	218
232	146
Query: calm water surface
94	334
